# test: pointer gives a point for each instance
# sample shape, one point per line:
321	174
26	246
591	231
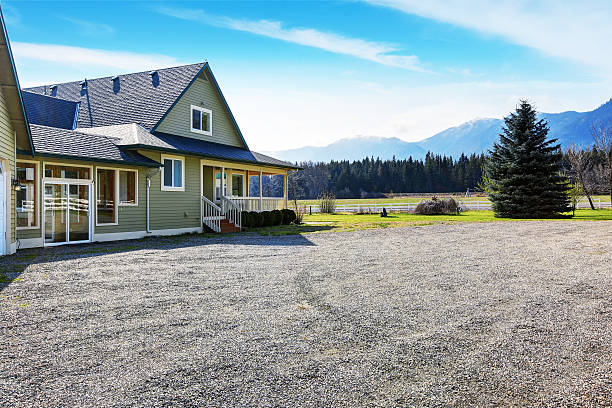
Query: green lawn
419	198
351	222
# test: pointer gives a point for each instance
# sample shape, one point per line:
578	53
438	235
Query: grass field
351	222
417	199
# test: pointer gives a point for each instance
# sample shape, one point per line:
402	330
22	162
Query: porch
228	191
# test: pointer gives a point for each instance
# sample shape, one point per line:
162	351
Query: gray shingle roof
139	98
50	111
51	141
136	136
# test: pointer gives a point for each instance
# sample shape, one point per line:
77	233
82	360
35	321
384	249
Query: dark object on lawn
384	212
437	207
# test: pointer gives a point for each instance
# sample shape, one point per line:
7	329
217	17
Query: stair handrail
211	214
232	211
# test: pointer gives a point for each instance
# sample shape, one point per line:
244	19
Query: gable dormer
202	113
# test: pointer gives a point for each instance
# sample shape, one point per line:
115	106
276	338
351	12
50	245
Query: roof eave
211	156
92	159
16	78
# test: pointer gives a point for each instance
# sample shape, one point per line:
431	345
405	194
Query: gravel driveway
509	314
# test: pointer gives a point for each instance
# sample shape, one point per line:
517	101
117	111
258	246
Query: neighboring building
14	134
148	153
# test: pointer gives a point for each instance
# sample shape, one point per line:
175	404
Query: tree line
370	177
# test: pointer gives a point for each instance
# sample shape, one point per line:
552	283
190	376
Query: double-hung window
173	173
128	187
201	120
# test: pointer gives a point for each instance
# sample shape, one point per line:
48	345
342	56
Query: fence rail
467	205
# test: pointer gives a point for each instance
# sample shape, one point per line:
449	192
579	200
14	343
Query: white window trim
201	110
125	204
170	157
51	179
39	190
116	222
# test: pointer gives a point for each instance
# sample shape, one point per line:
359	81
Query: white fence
468	205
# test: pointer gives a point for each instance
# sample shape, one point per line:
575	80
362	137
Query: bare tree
602	135
583	170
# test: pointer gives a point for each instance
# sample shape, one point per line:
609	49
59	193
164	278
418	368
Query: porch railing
211	214
257	204
232	211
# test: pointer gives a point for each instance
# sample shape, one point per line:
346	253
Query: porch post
260	193
286	181
229	182
221	192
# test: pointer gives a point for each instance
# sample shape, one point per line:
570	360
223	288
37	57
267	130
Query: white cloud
577	30
51	58
90	28
379	52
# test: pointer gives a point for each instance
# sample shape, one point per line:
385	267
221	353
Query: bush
258	219
327	203
247	220
288	216
278	217
268	218
437	207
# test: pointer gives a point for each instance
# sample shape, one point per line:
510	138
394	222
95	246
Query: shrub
299	214
437	207
247	220
278	217
268	218
327	203
258	219
288	216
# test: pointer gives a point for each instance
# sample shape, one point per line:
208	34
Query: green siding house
149	153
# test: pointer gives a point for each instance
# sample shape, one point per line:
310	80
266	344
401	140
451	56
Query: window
27	196
173	173
237	180
71	172
201	120
106	206
128	187
218	193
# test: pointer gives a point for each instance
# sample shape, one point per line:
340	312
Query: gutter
210	156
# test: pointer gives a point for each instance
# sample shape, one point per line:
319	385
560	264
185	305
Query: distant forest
369	178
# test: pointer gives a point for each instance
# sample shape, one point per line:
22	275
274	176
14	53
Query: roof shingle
49	111
67	143
139	98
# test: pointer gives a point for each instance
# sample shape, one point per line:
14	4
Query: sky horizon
308	73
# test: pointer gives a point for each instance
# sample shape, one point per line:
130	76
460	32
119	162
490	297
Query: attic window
201	120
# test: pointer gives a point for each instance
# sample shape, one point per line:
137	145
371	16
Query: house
14	134
149	153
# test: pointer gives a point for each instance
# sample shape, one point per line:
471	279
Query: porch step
227	227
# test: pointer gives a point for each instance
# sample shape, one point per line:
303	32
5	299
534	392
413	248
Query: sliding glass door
67	213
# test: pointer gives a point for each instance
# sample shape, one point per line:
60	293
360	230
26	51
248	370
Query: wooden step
227	227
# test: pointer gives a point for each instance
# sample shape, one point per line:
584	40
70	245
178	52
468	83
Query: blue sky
310	72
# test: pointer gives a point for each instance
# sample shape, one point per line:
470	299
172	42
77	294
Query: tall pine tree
523	171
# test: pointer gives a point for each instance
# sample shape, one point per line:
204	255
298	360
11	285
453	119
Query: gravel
510	314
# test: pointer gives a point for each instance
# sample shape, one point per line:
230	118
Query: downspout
149	175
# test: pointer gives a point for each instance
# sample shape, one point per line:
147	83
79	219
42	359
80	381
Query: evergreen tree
523	171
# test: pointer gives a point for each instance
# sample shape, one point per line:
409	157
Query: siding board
202	93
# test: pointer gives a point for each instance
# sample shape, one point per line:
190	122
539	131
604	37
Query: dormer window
201	120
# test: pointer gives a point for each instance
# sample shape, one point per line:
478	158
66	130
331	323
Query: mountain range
475	136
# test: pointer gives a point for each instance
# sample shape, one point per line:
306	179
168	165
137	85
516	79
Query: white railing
409	207
211	214
232	211
257	204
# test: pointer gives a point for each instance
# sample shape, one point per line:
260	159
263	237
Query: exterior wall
7	152
131	218
202	93
209	179
175	209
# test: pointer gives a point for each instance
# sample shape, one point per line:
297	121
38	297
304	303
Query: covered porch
251	188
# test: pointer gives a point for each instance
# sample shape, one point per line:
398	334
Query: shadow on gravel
12	266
